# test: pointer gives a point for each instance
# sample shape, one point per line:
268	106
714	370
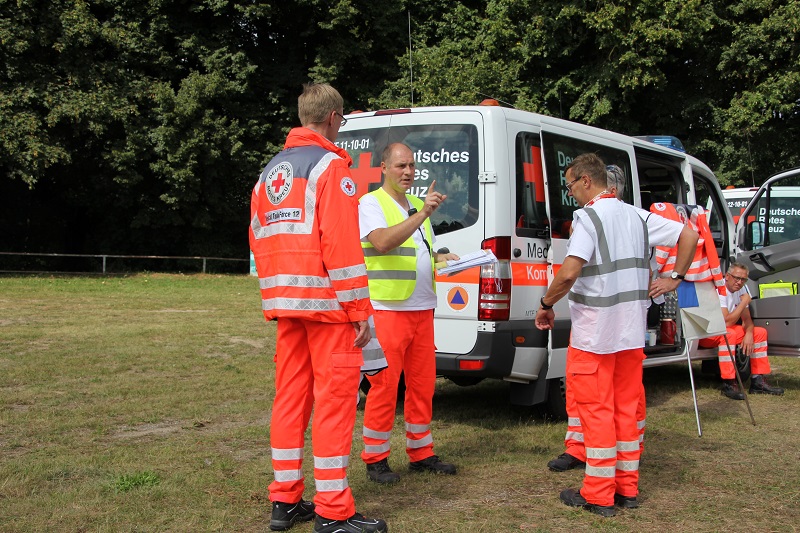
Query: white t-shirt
370	217
732	300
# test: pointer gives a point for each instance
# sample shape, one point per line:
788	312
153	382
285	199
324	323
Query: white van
503	172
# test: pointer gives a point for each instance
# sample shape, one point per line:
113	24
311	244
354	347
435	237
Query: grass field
142	403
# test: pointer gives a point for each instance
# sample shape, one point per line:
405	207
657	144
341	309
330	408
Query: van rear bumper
494	349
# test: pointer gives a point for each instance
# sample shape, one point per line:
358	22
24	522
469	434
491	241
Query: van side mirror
755	234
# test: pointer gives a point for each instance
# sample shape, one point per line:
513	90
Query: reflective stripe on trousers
314	359
607	392
759	362
407	341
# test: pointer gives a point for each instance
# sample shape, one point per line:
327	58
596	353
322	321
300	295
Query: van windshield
447	153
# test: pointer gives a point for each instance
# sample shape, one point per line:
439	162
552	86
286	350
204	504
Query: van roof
536	118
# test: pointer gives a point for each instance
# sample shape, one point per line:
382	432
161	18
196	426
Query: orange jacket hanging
304	234
705	265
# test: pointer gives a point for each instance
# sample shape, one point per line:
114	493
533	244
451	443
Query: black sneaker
626	502
731	390
284	515
573	498
432	464
565	462
381	473
759	385
357	523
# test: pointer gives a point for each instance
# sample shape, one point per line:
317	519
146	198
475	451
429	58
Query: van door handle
759	258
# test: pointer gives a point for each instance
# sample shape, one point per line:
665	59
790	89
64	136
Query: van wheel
401	387
557	398
711	366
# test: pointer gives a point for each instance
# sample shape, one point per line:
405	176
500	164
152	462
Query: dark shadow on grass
484	405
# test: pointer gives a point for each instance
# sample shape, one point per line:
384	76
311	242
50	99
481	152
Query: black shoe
626	502
432	464
355	524
284	515
573	498
565	462
759	385
381	473
731	390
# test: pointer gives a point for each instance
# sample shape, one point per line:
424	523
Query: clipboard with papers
481	257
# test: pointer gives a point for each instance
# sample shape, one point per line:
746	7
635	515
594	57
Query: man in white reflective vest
398	241
574	455
606	273
304	237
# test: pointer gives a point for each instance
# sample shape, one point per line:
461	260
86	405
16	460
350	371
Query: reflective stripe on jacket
705	264
393	275
304	234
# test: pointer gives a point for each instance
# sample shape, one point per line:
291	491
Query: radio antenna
410	64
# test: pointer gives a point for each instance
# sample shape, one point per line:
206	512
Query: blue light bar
664	140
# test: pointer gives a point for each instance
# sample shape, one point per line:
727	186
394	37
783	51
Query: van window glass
783	222
660	178
559	151
447	153
531	214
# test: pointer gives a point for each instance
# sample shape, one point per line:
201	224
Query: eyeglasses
570	184
344	120
737	278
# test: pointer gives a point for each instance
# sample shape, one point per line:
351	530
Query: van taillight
494	299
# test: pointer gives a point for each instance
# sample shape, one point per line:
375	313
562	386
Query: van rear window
559	151
447	153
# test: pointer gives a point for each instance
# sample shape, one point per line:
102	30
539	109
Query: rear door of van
561	143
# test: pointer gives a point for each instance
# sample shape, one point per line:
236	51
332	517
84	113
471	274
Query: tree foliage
138	126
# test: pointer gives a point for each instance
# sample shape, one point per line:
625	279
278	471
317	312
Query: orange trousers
759	363
317	367
407	341
573	440
607	391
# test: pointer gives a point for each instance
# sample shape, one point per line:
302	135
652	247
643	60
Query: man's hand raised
433	199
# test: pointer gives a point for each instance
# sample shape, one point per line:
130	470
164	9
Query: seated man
741	330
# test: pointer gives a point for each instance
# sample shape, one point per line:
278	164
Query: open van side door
768	243
560	145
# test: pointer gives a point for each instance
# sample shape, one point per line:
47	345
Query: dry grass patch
162	384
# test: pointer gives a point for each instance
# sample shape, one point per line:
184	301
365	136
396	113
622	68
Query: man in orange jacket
304	236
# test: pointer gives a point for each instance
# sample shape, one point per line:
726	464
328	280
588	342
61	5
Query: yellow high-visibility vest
393	275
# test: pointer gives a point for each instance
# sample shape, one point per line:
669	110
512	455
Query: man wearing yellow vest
397	240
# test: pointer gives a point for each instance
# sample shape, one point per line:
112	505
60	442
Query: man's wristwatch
675	275
544	305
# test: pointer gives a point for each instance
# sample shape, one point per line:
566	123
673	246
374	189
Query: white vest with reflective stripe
608	302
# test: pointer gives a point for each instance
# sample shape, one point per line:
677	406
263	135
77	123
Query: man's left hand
545	319
747	343
661	286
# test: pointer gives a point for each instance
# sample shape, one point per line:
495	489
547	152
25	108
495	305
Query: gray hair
615	178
